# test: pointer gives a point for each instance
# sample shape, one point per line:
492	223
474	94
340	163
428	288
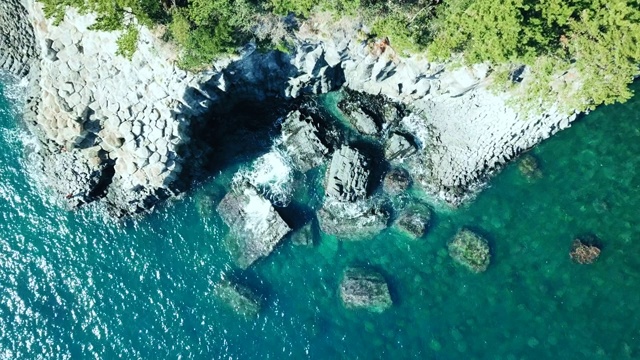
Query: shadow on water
224	139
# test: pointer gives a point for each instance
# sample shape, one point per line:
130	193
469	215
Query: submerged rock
529	167
583	252
301	141
365	289
303	236
256	228
396	181
398	147
347	176
414	221
470	250
353	221
241	299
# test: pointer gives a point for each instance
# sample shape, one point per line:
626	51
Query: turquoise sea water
79	285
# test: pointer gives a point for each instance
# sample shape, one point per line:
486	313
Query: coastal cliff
118	131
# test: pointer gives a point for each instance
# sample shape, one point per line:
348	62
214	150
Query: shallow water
78	285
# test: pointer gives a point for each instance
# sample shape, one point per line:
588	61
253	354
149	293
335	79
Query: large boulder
240	298
396	181
300	140
353	221
347	176
470	250
414	221
255	226
365	289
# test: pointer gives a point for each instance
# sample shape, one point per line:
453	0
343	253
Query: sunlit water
79	285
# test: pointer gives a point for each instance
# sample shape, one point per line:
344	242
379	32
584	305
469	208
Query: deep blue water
79	285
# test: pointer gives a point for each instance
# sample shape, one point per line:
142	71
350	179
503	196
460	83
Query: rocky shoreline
119	131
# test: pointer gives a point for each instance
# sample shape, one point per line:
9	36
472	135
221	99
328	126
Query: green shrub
128	42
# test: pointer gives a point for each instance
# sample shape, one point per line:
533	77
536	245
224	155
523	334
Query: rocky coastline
120	132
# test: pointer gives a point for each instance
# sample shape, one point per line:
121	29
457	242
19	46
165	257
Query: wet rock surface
347	176
414	221
363	288
396	181
255	227
301	141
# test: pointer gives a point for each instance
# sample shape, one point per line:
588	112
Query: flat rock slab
470	250
365	289
302	143
347	176
256	228
241	299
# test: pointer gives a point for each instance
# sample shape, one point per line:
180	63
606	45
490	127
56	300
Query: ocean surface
78	285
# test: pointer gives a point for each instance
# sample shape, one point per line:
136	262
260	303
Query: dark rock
370	113
365	289
239	298
301	142
303	236
347	176
256	228
398	147
414	221
470	250
396	181
353	221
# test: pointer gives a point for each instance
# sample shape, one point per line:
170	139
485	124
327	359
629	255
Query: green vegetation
582	53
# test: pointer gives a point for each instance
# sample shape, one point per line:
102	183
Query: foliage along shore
580	53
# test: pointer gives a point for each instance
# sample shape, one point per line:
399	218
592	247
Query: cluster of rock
125	123
17	44
584	251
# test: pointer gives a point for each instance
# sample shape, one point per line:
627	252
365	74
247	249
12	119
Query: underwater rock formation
239	298
584	253
470	250
365	289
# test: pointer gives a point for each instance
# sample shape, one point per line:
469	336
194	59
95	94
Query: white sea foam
271	174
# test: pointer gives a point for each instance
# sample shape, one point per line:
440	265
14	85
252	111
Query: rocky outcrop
396	181
414	221
255	227
138	114
18	49
365	289
347	176
301	141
